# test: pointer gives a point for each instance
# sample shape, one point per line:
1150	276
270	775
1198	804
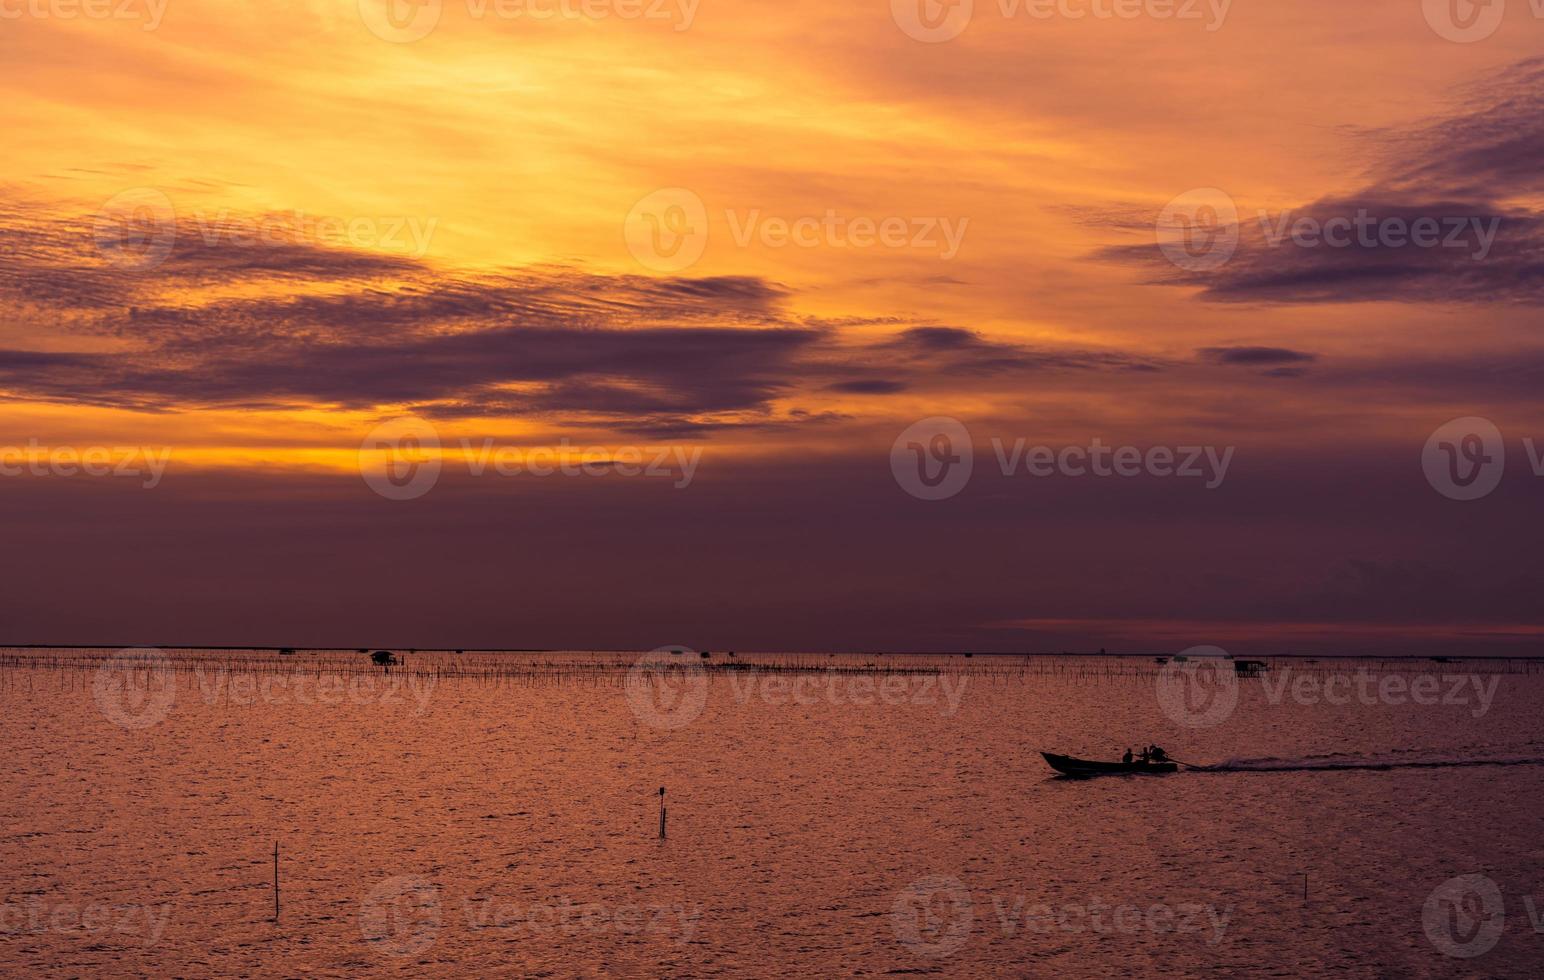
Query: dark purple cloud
1439	222
874	386
958	350
1255	356
645	355
1277	362
1489	151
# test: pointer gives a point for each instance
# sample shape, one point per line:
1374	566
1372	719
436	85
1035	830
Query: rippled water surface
499	815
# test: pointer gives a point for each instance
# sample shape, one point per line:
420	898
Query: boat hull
1068	766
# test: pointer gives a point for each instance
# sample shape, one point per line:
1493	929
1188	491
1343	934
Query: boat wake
1340	761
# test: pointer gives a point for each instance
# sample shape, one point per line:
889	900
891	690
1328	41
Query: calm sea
499	815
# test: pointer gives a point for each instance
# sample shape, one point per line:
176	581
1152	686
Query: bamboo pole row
610	667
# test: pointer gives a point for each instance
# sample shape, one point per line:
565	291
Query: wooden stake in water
276	881
662	813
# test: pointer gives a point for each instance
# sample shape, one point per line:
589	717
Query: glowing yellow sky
511	141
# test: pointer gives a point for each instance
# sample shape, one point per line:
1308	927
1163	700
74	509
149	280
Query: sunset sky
248	234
